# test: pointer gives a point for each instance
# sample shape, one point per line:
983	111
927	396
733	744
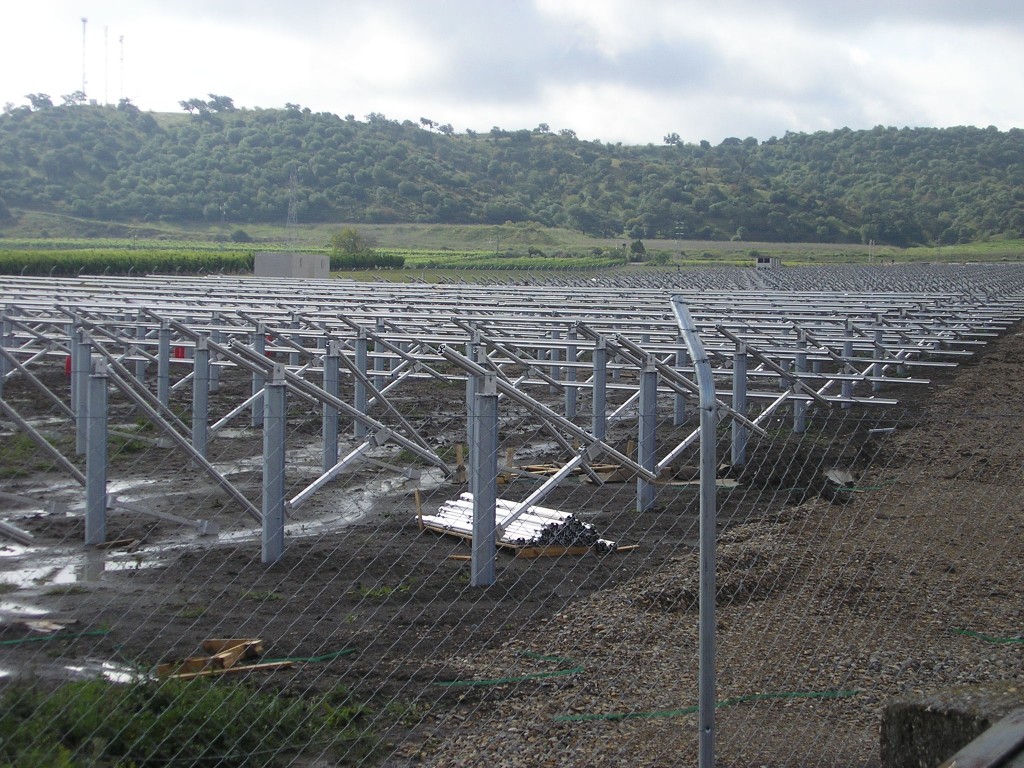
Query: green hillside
227	166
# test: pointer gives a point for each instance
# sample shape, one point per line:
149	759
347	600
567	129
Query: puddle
109	670
73	569
11	608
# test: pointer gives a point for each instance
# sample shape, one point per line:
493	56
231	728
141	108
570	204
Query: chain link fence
870	553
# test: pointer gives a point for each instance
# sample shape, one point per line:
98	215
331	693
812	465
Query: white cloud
619	70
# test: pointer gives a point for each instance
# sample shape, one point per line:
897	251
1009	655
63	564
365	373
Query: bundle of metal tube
537	526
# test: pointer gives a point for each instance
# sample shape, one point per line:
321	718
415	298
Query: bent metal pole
708	515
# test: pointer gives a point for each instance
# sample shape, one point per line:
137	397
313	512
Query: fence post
96	455
274	410
707	536
739	404
599	426
646	433
7	342
471	389
329	418
484	466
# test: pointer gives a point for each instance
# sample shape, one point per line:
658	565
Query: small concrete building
283	264
768	262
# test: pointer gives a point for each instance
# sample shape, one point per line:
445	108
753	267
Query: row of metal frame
561	352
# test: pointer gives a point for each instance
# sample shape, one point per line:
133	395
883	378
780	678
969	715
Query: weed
380	592
95	722
265	594
193	611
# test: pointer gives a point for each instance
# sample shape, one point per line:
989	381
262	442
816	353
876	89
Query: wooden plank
270	665
1000	745
550	551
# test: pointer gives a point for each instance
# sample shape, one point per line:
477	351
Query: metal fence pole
274	410
484	464
471	388
708	522
646	433
740	433
200	395
599	426
6	341
846	388
96	456
329	418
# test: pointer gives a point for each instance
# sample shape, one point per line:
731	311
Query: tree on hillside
39	100
220	103
75	97
350	241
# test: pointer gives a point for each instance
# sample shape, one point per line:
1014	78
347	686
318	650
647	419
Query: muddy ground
359	575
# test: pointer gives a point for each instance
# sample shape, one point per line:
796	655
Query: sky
630	71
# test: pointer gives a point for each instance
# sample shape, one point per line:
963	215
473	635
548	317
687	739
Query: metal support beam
96	457
484	467
740	433
200	396
599	425
259	345
329	414
647	424
359	385
274	431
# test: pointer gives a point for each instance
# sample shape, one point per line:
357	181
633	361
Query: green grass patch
198	722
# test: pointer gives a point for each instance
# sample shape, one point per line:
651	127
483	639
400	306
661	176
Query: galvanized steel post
359	395
329	417
598	388
200	395
140	335
799	366
484	464
646	433
163	364
740	433
81	353
707	536
96	455
570	375
259	346
274	410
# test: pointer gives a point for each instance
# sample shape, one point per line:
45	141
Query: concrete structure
768	262
284	264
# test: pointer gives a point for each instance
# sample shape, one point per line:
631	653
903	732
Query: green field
44	244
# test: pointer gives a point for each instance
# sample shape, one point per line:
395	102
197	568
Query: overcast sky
615	70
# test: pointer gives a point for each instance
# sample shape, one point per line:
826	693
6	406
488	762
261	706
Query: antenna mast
84	22
120	40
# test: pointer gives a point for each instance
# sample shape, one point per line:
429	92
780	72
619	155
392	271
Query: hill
894	186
